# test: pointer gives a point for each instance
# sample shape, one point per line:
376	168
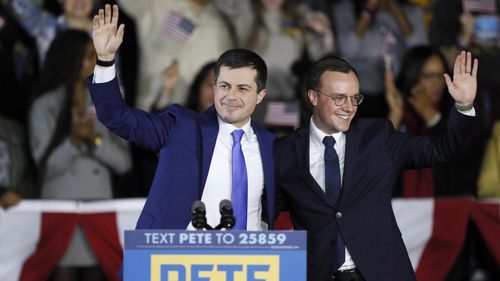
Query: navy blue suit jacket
184	141
374	155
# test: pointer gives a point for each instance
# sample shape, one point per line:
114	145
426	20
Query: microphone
198	215
227	219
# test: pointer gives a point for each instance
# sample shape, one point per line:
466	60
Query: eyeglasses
340	99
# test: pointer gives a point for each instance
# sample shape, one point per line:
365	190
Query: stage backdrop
34	234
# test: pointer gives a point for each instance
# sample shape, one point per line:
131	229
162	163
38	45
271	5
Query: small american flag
480	6
177	27
282	114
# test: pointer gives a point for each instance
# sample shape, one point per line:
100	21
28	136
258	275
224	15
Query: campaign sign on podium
179	255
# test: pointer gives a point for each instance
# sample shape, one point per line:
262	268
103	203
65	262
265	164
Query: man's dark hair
328	63
240	58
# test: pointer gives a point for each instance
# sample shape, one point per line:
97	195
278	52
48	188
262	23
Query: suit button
338	215
333	242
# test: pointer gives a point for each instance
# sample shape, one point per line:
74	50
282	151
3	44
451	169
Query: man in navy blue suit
336	174
218	154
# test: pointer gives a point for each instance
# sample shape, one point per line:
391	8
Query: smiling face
236	94
327	116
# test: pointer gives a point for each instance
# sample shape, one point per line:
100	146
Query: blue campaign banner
179	255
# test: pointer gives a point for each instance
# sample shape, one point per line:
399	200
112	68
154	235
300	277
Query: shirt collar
225	129
316	135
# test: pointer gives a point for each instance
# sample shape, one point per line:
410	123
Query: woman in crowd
424	111
75	155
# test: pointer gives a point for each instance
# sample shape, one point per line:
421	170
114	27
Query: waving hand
106	34
463	87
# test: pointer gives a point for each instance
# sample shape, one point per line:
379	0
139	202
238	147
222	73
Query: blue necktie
240	183
332	190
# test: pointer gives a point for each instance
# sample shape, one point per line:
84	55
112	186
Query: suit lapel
351	152
209	128
266	154
302	152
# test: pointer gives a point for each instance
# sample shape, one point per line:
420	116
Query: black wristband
104	63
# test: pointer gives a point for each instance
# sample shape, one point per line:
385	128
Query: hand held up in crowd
394	99
106	34
463	87
170	78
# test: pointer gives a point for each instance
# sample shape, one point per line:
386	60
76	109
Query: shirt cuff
471	112
104	74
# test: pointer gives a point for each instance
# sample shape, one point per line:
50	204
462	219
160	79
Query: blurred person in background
489	177
18	69
44	26
201	92
43	20
19	66
188	33
475	25
17	173
282	33
465	24
75	155
423	111
370	30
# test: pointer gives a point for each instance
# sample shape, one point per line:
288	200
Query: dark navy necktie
332	191
239	195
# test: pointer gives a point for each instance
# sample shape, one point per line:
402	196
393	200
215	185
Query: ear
261	95
313	97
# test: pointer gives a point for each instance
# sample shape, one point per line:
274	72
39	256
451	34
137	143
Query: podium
180	255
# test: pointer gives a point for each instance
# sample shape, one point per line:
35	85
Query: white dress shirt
317	167
219	180
218	185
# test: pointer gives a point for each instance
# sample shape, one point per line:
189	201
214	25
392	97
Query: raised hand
170	78
463	87
393	98
106	35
